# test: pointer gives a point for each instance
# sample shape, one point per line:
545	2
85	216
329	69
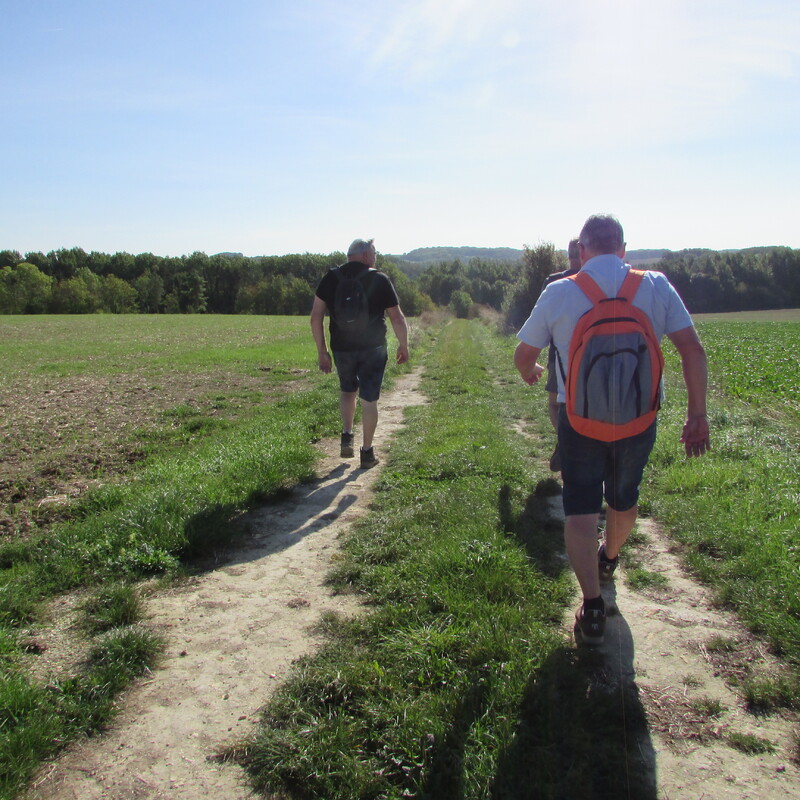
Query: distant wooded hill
435	255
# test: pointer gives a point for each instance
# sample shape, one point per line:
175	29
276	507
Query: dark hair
602	233
572	249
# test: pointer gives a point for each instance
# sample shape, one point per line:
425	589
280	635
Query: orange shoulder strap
589	286
631	284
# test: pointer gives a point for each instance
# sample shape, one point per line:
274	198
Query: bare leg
347	408
619	525
369	422
580	535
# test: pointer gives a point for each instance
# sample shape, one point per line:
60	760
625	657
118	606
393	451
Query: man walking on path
551	387
592	468
357	297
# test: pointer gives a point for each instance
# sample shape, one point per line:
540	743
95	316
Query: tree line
72	281
76	282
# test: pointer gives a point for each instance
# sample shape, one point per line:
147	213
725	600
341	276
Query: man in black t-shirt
360	355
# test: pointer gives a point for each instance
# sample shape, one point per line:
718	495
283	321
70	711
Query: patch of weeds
637	538
113	606
708	706
9	646
767	694
181	412
18	606
640	579
123	654
721	644
750	744
15	551
691	682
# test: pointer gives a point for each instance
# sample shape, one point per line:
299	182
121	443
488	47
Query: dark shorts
592	470
361	371
552	377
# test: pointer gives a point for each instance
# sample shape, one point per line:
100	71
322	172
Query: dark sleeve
327	288
388	294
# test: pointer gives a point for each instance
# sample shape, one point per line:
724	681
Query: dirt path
234	632
659	639
656	645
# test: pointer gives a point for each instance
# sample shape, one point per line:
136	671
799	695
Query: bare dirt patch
59	437
232	636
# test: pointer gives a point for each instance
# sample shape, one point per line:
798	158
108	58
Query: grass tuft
113	606
750	744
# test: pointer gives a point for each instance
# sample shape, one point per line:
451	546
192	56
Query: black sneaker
590	626
368	458
606	566
347	445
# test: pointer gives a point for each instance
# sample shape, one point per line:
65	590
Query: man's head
362	250
574	254
601	234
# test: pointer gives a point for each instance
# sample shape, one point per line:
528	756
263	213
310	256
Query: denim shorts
361	371
592	470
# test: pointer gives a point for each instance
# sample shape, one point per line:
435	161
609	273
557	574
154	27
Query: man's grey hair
602	233
360	247
573	251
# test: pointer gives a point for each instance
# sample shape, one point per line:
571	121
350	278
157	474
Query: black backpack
350	302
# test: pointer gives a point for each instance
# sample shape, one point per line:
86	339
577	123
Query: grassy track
459	682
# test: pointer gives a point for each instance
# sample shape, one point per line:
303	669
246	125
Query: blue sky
275	127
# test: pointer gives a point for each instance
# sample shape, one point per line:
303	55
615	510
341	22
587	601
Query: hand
324	361
531	375
402	354
695	435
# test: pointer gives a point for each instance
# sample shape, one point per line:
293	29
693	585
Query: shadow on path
581	729
220	536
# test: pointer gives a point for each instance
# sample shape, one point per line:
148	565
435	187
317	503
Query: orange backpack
613	377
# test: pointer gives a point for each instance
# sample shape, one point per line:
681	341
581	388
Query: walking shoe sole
347	452
586	641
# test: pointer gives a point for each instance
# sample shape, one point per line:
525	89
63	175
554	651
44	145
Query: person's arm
695	436
318	332
525	361
400	328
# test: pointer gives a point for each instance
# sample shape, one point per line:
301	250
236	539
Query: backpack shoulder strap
631	284
588	286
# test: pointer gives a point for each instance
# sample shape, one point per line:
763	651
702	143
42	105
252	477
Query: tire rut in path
232	635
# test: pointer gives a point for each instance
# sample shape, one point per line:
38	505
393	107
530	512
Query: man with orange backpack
606	322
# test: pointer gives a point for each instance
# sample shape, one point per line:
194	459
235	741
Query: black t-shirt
381	295
551	353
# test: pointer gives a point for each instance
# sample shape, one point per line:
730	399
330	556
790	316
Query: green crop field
130	444
755	361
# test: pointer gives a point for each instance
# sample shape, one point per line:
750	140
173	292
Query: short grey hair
573	252
602	233
360	247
